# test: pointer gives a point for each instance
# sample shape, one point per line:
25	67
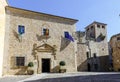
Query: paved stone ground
13	78
76	77
66	77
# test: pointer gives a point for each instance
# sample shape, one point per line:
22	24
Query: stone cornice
95	22
34	13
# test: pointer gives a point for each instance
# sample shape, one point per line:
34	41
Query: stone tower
97	31
92	48
96	37
3	3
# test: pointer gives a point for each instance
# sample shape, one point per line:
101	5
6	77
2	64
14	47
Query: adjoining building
115	51
93	48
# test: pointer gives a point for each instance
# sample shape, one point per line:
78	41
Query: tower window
98	25
91	27
103	27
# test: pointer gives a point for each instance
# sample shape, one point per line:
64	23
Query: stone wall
101	50
115	49
82	57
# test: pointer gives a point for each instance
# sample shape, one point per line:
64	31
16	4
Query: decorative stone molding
44	48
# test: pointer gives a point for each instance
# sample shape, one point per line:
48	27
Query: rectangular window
95	56
21	29
87	54
45	32
98	26
92	27
118	38
103	27
20	61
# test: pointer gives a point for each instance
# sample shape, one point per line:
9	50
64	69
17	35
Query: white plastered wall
3	3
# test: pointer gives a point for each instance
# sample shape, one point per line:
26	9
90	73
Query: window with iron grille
20	61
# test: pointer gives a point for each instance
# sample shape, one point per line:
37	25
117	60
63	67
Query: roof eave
70	19
94	23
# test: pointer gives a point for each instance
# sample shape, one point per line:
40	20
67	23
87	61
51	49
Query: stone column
35	66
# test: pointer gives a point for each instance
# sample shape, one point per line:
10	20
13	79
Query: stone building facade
46	40
36	37
92	48
115	51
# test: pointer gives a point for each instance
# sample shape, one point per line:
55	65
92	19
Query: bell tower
3	3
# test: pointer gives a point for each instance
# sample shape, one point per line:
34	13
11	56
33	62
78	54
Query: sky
86	11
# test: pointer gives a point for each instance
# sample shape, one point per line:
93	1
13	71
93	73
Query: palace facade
36	37
46	40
